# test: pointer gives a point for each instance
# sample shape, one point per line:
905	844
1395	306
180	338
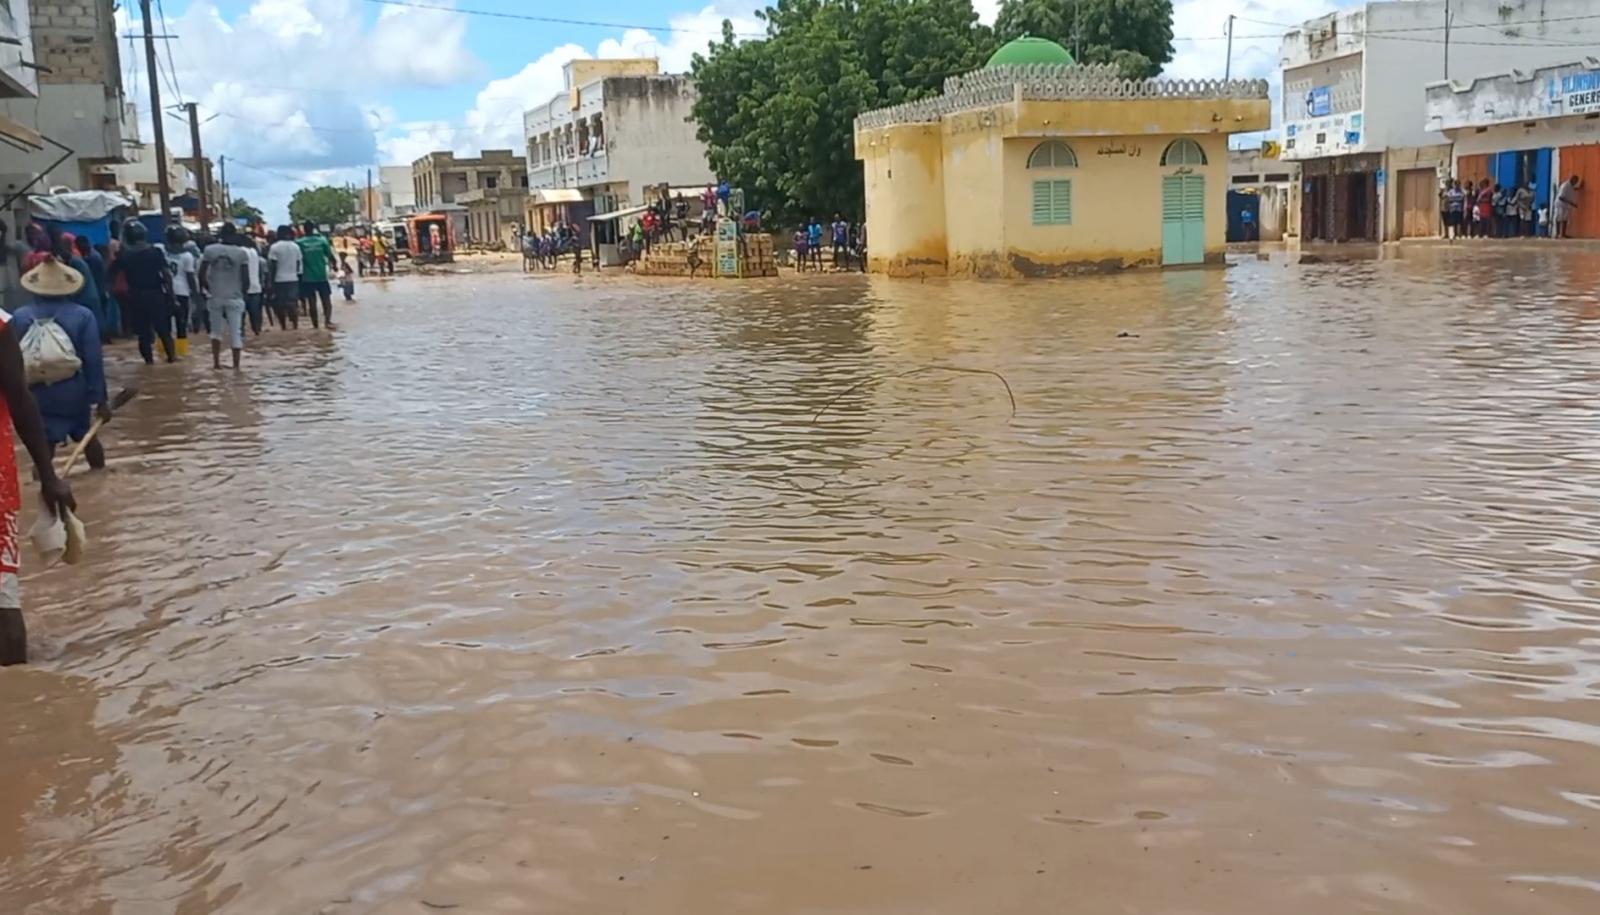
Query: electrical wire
172	66
267	171
553	20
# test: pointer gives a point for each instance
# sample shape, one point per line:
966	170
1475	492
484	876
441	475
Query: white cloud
288	85
495	120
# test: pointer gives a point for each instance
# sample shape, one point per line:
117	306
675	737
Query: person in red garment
17	409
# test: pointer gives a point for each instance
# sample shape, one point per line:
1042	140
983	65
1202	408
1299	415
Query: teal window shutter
1061	203
1052	202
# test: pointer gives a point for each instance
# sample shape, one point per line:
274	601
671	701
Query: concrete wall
76	115
77	40
16	23
903	170
396	194
974	179
1515	96
650	134
1116	204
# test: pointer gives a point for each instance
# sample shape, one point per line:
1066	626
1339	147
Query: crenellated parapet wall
1052	82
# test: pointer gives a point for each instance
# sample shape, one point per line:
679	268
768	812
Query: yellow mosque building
1037	166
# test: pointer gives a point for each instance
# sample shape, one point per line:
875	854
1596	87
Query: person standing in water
18	410
252	295
144	270
1566	203
284	262
225	278
317	253
66	405
182	265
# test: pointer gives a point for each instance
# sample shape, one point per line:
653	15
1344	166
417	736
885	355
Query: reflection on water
1278	590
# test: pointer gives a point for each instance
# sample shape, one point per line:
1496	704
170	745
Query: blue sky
303	92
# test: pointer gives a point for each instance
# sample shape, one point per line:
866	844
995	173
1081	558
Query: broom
117	403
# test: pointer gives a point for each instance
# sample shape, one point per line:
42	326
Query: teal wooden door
1183	219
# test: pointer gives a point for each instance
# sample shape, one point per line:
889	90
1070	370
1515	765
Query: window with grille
1052	202
1052	154
1183	152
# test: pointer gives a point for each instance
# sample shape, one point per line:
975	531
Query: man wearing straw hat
65	405
51	281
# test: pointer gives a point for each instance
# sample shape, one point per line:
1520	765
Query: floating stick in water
917	371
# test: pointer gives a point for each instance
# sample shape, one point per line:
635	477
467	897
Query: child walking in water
347	278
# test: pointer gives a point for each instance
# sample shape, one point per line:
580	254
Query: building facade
439	177
1270	181
1535	128
1035	166
1353	107
79	110
494	216
137	176
397	197
618	127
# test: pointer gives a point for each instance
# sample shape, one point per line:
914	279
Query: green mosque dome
1029	50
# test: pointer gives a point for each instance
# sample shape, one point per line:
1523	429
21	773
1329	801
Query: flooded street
535	595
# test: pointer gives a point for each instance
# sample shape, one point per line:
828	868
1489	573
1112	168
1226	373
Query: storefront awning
618	214
558	195
19	135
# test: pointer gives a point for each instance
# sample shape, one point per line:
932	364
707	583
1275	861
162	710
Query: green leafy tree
324	205
1135	35
240	208
777	114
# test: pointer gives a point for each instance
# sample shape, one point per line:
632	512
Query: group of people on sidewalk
1492	210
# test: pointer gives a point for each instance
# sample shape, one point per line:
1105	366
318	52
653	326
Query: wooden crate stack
672	258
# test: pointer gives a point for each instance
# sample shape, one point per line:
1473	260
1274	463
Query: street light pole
201	172
1227	69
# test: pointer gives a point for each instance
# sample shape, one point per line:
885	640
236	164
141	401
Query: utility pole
162	190
201	173
369	194
1446	39
1227	68
224	212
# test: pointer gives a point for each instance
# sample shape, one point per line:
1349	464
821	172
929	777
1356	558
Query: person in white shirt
184	282
285	263
252	298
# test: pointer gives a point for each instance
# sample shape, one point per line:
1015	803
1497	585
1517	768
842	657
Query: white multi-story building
1354	103
397	194
619	126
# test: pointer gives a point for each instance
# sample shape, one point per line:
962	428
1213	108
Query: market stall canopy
558	195
76	206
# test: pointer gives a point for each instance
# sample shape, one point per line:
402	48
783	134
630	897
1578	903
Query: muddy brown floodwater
542	596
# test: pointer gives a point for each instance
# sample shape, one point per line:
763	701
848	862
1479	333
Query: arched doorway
1183	204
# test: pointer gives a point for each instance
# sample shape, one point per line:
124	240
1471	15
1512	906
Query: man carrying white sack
50	279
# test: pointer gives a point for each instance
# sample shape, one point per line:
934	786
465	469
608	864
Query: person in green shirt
316	252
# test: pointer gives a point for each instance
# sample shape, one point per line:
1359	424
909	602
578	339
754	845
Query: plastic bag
60	537
48	355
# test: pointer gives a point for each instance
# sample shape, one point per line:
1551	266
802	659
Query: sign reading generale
1580	92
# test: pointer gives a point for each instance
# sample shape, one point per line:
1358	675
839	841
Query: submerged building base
1044	170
